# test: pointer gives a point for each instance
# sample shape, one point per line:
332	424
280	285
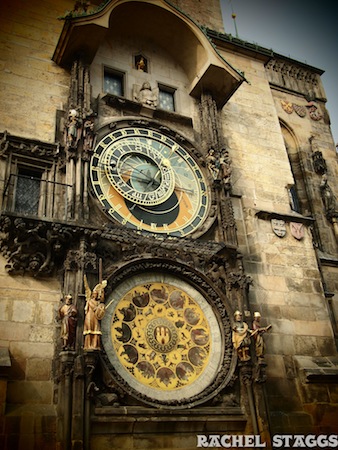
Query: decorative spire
234	15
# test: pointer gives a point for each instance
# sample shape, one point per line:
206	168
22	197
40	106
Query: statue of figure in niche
241	337
68	316
328	196
73	129
146	95
258	330
225	168
88	136
94	313
319	163
141	64
213	163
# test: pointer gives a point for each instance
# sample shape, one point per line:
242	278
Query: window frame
30	174
168	90
118	74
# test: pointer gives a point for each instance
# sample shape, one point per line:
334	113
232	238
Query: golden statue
94	313
241	337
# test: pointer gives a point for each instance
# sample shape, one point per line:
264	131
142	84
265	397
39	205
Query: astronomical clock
147	181
165	340
165	333
151	189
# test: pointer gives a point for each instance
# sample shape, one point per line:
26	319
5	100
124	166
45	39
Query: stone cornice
26	146
287	217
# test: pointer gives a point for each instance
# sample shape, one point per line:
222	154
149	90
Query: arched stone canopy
159	21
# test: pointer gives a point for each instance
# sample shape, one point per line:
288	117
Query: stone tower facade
169	232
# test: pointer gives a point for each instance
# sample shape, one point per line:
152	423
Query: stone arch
297	167
177	34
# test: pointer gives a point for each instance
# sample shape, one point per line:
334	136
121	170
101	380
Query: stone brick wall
287	287
207	13
33	87
28	326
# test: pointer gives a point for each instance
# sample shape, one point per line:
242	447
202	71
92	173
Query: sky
305	30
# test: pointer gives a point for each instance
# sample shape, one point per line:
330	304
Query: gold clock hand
132	167
179	188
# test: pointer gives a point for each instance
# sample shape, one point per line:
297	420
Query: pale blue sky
305	30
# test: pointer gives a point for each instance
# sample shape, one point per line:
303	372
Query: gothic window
299	200
166	98
294	200
27	192
113	82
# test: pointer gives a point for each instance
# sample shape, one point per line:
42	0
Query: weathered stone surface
38	369
31	392
32	43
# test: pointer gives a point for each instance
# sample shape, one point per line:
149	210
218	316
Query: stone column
65	399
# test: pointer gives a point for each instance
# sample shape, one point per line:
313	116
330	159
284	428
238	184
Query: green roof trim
269	52
74	14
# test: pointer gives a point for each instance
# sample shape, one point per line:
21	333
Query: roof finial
233	15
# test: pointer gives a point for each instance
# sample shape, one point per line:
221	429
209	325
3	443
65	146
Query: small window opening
294	200
27	194
113	82
167	98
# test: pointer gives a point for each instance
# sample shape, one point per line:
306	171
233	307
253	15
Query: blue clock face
147	181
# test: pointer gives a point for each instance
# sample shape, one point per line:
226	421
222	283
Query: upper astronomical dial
139	173
148	181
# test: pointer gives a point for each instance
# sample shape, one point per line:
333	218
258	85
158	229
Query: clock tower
168	232
152	178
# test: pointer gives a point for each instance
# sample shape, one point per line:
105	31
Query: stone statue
213	163
241	337
328	197
73	130
94	312
258	330
68	316
225	168
147	96
88	135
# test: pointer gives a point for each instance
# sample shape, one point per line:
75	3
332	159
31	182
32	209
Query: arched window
299	200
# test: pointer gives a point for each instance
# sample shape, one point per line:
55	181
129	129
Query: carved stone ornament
319	163
297	230
28	147
76	259
35	247
278	227
32	246
293	76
